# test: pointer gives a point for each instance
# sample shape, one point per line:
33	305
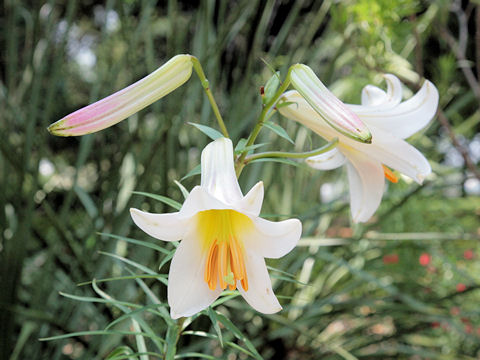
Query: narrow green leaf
288	279
190	355
207	130
279	160
133	356
213	318
128	277
148	308
165	260
99	300
86	201
129	262
195	171
238	334
120	351
182	188
163	199
139	242
277	129
240	148
99	332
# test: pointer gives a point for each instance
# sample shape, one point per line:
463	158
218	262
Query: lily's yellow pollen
221	235
389	175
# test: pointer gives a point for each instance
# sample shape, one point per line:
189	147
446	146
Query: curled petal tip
327	105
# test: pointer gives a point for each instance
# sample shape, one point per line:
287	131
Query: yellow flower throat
220	231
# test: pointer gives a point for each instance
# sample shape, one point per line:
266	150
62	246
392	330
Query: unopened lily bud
327	105
126	102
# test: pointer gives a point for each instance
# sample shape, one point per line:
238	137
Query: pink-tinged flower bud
330	108
124	103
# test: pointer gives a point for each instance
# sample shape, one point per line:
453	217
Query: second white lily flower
224	241
389	121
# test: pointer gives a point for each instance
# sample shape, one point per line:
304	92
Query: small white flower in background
390	121
223	240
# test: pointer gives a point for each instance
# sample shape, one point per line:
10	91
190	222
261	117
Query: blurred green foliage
366	294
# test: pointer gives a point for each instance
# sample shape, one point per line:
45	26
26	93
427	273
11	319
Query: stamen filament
225	253
389	175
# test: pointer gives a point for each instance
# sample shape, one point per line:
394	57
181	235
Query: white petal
199	200
327	161
218	171
408	117
375	99
366	182
252	202
260	294
394	89
397	154
373	96
273	239
167	227
188	293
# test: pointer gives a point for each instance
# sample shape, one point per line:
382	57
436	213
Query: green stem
206	86
173	335
276	154
240	162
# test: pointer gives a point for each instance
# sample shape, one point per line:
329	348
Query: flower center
220	231
389	175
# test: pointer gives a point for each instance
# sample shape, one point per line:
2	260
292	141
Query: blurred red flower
468	254
424	259
390	259
461	287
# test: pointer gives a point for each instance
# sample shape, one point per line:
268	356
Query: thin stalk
240	162
206	86
172	338
276	154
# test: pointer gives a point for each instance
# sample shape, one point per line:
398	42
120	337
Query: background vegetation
404	286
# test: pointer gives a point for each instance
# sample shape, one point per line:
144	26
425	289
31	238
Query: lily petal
397	154
188	293
167	227
406	118
373	96
260	294
366	180
273	239
252	202
117	107
198	200
331	109
327	161
218	171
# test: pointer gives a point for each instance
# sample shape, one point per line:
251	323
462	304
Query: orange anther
389	175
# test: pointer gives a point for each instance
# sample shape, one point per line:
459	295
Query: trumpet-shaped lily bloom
390	121
223	239
117	107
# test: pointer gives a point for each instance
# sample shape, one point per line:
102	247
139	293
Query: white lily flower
224	241
389	121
